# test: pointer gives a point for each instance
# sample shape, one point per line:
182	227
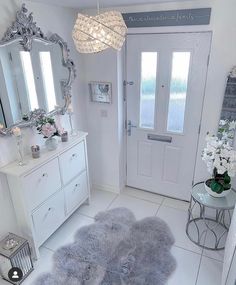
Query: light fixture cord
98	8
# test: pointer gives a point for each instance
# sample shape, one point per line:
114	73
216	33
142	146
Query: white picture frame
100	92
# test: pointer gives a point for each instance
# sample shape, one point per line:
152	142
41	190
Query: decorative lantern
15	259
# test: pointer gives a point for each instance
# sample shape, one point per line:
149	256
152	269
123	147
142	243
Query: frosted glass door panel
148	89
178	91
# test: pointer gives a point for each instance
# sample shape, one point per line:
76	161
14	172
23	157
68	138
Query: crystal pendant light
94	34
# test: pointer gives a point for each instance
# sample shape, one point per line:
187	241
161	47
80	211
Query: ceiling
103	3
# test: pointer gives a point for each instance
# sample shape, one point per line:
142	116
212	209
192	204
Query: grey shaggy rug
115	250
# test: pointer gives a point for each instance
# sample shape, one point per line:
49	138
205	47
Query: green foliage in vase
220	182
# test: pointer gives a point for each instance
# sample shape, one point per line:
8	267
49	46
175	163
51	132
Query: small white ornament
16	131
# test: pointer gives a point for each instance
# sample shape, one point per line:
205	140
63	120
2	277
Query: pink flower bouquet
47	127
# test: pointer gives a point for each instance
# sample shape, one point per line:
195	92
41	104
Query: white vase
214	194
51	143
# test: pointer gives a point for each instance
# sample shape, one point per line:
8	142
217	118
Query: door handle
129	127
128	83
159	138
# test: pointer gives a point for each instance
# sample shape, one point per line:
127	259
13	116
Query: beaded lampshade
94	34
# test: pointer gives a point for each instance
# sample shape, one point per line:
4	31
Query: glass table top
199	193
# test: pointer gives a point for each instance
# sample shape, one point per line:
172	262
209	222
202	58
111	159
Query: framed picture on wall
100	92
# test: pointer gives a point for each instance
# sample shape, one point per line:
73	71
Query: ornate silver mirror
36	74
227	123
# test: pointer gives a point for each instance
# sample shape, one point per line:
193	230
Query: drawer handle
74	155
44	175
50	209
76	186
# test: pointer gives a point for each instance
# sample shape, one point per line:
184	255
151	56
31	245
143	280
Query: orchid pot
219	185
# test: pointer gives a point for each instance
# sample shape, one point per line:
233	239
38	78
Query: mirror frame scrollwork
24	30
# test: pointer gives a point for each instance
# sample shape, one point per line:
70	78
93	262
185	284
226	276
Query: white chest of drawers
46	191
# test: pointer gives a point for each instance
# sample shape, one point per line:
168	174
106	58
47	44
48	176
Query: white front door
166	76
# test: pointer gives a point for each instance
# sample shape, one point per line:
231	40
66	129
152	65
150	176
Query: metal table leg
203	225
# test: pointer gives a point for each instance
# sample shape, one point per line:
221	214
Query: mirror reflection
30	80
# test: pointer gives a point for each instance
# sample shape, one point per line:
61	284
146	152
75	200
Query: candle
35	150
19	144
16	132
70	109
64	136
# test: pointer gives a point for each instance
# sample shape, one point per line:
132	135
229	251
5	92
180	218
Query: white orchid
232	125
210	138
225	135
221	170
226	130
219	155
225	153
222	122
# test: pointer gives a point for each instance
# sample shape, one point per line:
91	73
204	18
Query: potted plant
47	127
220	159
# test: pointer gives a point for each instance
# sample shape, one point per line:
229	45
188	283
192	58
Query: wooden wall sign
185	17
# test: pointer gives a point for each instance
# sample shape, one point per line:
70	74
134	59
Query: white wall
103	140
51	19
103	66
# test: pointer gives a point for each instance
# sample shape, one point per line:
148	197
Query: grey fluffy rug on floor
115	250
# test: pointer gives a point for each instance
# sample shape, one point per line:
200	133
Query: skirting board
108	188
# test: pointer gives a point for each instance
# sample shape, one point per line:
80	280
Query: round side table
209	218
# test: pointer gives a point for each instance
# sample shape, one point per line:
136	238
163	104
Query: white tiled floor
140	208
194	265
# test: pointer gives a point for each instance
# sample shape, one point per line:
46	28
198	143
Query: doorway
166	75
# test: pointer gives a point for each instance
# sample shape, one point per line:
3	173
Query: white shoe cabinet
46	191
